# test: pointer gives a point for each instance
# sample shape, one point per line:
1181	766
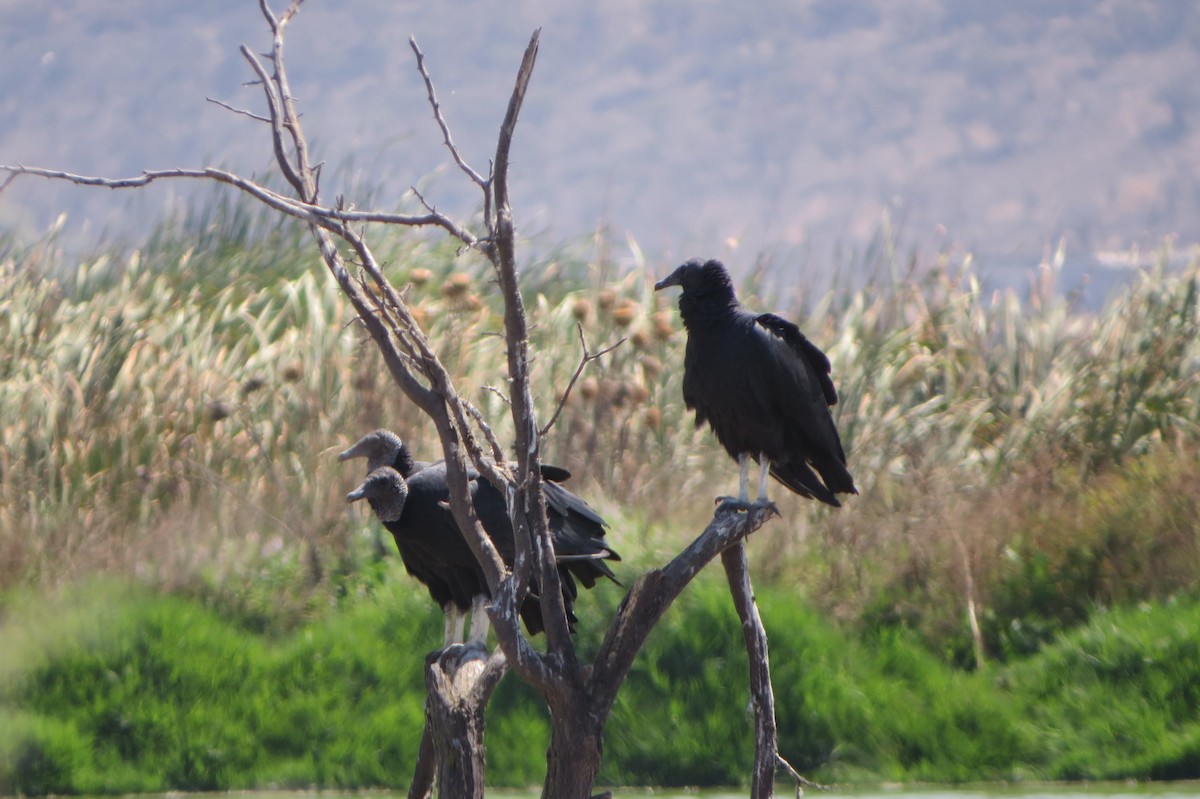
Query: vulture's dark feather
805	349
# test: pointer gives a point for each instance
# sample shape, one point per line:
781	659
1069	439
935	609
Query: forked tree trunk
576	742
459	682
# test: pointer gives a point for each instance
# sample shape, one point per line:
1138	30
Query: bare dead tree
460	680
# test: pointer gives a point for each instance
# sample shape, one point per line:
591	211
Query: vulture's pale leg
764	471
744	478
479	621
742	501
456	620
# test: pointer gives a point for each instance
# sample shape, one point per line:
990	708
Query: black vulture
412	499
761	385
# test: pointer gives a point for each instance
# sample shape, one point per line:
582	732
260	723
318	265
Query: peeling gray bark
459	681
424	772
762	695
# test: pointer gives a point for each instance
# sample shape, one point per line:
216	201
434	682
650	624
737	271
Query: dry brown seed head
663	329
252	384
625	313
293	372
218	410
457	285
581	309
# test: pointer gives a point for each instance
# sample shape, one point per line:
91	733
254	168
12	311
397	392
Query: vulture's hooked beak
668	281
353	452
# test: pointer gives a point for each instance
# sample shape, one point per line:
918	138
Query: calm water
783	790
1072	791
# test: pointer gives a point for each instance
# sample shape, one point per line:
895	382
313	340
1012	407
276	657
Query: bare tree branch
488	434
504	144
269	16
275	107
654	591
802	782
236	110
588	357
441	121
529	497
293	9
291	118
305	211
460	233
762	697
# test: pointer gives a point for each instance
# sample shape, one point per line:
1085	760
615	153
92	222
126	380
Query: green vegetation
170	695
116	690
195	608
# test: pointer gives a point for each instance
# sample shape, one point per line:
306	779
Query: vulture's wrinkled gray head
386	492
380	448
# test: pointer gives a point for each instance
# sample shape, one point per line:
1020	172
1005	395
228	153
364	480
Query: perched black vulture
761	385
412	499
387	492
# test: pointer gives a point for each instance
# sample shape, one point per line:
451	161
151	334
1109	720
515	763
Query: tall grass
171	412
979	424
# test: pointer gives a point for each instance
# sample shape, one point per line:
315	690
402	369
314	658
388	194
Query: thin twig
496	390
269	15
237	110
397	326
437	115
488	433
291	118
801	781
275	106
588	357
408	333
462	234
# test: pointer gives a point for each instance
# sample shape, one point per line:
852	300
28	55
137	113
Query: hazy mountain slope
685	123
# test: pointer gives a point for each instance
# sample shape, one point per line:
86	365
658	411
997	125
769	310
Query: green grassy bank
115	690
